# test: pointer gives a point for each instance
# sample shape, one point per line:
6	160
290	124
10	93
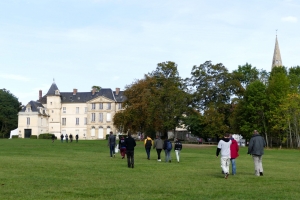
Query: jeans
225	162
130	157
257	164
168	155
233	166
158	153
177	153
148	152
112	150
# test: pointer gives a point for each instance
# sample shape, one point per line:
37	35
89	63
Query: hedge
14	137
46	136
33	137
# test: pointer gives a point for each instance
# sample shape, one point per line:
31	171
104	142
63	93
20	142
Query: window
52	111
28	109
77	121
28	120
85	121
50	103
64	121
108	106
100	106
93	106
77	110
100	117
85	110
108	117
93	117
64	109
119	106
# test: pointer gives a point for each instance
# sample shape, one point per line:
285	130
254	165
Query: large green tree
9	108
155	103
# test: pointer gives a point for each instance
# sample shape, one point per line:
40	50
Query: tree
157	102
9	108
96	88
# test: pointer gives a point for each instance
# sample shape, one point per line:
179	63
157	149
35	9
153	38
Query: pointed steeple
276	57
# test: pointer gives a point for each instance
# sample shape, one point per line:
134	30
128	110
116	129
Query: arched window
100	132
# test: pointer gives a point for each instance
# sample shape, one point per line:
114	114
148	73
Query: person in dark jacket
62	138
177	149
130	144
167	151
66	138
256	149
76	137
71	137
158	145
111	144
122	147
234	153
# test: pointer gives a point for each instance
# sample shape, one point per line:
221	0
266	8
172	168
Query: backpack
169	146
148	143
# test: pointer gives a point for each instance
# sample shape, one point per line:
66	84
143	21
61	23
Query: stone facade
88	114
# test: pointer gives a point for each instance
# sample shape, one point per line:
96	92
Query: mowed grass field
40	169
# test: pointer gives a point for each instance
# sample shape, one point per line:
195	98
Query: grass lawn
39	169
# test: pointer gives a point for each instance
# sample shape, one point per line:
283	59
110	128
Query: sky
81	43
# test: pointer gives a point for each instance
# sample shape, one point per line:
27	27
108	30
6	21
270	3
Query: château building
88	114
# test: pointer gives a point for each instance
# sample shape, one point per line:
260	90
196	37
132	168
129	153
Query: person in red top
234	153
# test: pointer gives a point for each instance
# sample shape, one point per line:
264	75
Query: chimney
74	91
40	94
117	91
93	91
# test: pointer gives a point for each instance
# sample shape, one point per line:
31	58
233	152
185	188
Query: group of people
67	138
165	145
228	149
126	147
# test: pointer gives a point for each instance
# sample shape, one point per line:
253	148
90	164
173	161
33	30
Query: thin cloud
14	77
289	19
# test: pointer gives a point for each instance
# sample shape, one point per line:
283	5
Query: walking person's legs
177	153
233	166
261	170
256	164
158	154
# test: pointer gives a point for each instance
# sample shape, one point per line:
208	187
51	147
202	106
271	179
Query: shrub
33	137
14	137
107	135
45	136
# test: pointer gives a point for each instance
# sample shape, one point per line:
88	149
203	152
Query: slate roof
82	97
34	105
120	97
51	91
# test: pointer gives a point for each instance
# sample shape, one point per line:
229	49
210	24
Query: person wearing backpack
177	149
167	147
148	144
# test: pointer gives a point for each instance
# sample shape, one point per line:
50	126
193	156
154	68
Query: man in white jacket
224	148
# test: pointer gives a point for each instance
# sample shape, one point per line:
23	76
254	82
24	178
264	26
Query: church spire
276	57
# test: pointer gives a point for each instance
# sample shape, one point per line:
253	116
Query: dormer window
28	109
56	92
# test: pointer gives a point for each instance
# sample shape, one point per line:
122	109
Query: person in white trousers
177	149
224	148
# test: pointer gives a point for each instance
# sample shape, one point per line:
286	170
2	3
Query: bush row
46	136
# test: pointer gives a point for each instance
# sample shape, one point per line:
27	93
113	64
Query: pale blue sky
81	43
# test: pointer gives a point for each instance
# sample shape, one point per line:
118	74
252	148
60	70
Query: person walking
256	149
177	149
122	147
53	137
76	137
167	147
148	144
62	138
130	144
234	153
158	145
111	144
66	138
224	148
71	137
